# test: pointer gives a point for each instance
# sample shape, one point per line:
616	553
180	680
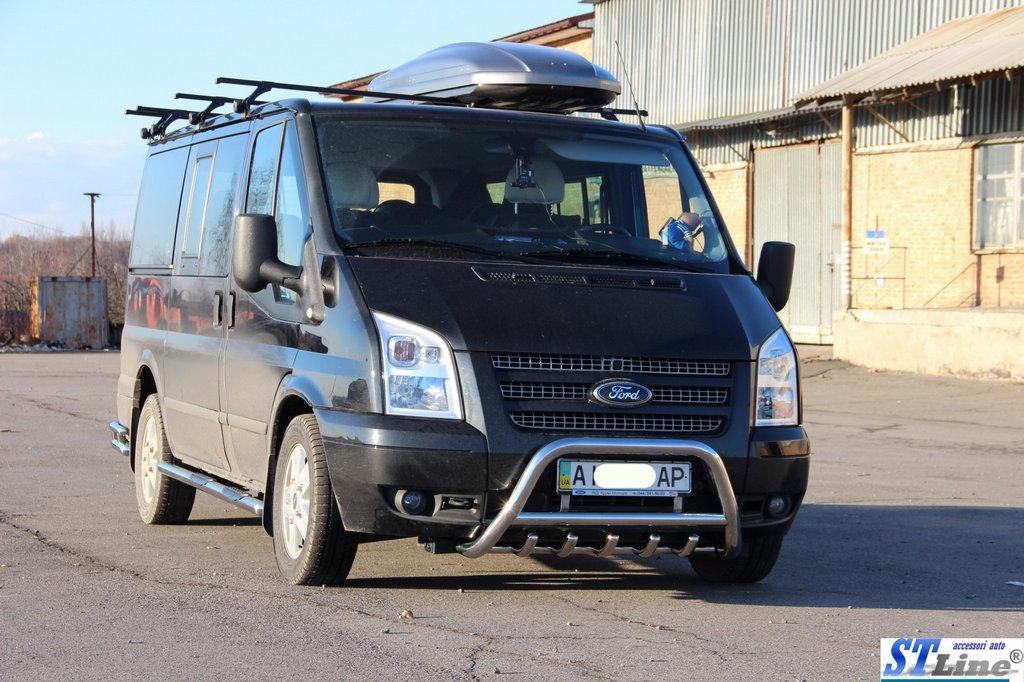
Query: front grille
587	421
679	395
606	363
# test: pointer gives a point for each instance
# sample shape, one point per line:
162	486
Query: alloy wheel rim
150	443
295	501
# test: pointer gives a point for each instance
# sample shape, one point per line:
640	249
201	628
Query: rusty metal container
71	311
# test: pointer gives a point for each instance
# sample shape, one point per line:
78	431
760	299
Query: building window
999	196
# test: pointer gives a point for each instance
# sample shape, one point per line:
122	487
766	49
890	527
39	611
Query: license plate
623	479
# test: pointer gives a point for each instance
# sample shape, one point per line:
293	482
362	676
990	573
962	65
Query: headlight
778	384
419	370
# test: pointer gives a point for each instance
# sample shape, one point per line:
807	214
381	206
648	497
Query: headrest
352	185
550	182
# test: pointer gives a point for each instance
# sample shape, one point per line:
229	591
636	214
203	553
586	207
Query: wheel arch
146	384
296	396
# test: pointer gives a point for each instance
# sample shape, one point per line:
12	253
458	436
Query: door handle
231	310
218	309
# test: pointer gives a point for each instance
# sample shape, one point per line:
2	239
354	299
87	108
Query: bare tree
23	258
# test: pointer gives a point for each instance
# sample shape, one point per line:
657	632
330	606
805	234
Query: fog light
778	505
414	502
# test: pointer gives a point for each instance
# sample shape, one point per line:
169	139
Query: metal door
798	199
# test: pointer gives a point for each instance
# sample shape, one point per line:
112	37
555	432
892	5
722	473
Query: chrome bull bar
512	513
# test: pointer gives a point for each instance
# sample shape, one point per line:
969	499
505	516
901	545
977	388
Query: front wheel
755	561
311	545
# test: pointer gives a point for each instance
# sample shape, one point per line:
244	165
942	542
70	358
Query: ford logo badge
620	393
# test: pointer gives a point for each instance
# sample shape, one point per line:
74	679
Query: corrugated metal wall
691	60
992	107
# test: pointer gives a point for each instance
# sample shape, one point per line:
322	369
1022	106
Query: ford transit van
475	309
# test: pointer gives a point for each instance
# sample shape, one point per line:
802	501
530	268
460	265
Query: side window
156	218
220	207
574	201
291	214
999	196
263	172
663	196
596	201
583	200
497	191
201	172
396	190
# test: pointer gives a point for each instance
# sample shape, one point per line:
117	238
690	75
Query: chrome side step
120	440
213	487
610	548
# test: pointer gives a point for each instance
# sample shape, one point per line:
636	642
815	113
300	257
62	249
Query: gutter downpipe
847	173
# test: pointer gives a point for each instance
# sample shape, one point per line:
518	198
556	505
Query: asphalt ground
913	524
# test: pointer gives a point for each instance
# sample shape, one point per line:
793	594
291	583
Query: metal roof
723	122
977	46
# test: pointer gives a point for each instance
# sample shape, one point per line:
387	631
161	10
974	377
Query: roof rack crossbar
262	87
611	113
165	118
214	102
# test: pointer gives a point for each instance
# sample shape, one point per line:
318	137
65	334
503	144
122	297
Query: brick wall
1001	280
582	46
729	187
923	200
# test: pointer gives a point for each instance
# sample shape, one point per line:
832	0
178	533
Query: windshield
535	192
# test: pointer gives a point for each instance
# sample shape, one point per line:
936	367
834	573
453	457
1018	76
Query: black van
456	313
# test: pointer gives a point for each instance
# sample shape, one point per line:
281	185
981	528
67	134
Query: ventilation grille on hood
581	280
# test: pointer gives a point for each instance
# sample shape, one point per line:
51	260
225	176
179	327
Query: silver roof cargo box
503	75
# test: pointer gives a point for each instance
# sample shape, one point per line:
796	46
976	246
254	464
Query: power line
30	222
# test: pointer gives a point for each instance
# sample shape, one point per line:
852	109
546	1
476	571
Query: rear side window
220	207
156	218
197	204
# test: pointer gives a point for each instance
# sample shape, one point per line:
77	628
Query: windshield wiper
608	254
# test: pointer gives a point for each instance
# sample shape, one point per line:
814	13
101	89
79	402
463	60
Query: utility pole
92	222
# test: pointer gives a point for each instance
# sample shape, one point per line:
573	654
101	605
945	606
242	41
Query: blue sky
70	69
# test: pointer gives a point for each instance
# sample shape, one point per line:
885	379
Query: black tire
754	562
161	499
324	555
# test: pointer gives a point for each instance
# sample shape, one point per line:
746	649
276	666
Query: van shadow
836	556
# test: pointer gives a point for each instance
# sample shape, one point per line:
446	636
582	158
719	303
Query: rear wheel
161	499
754	562
311	545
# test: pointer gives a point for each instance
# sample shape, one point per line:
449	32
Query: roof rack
166	116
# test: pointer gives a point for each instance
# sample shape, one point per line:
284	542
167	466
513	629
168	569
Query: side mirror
254	258
775	272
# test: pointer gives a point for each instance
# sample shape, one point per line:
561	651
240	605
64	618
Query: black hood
481	307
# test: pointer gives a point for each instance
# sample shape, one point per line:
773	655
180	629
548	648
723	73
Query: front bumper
371	457
512	513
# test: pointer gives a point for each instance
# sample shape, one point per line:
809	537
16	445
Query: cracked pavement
912	524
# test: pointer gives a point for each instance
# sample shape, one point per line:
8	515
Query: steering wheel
603	229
